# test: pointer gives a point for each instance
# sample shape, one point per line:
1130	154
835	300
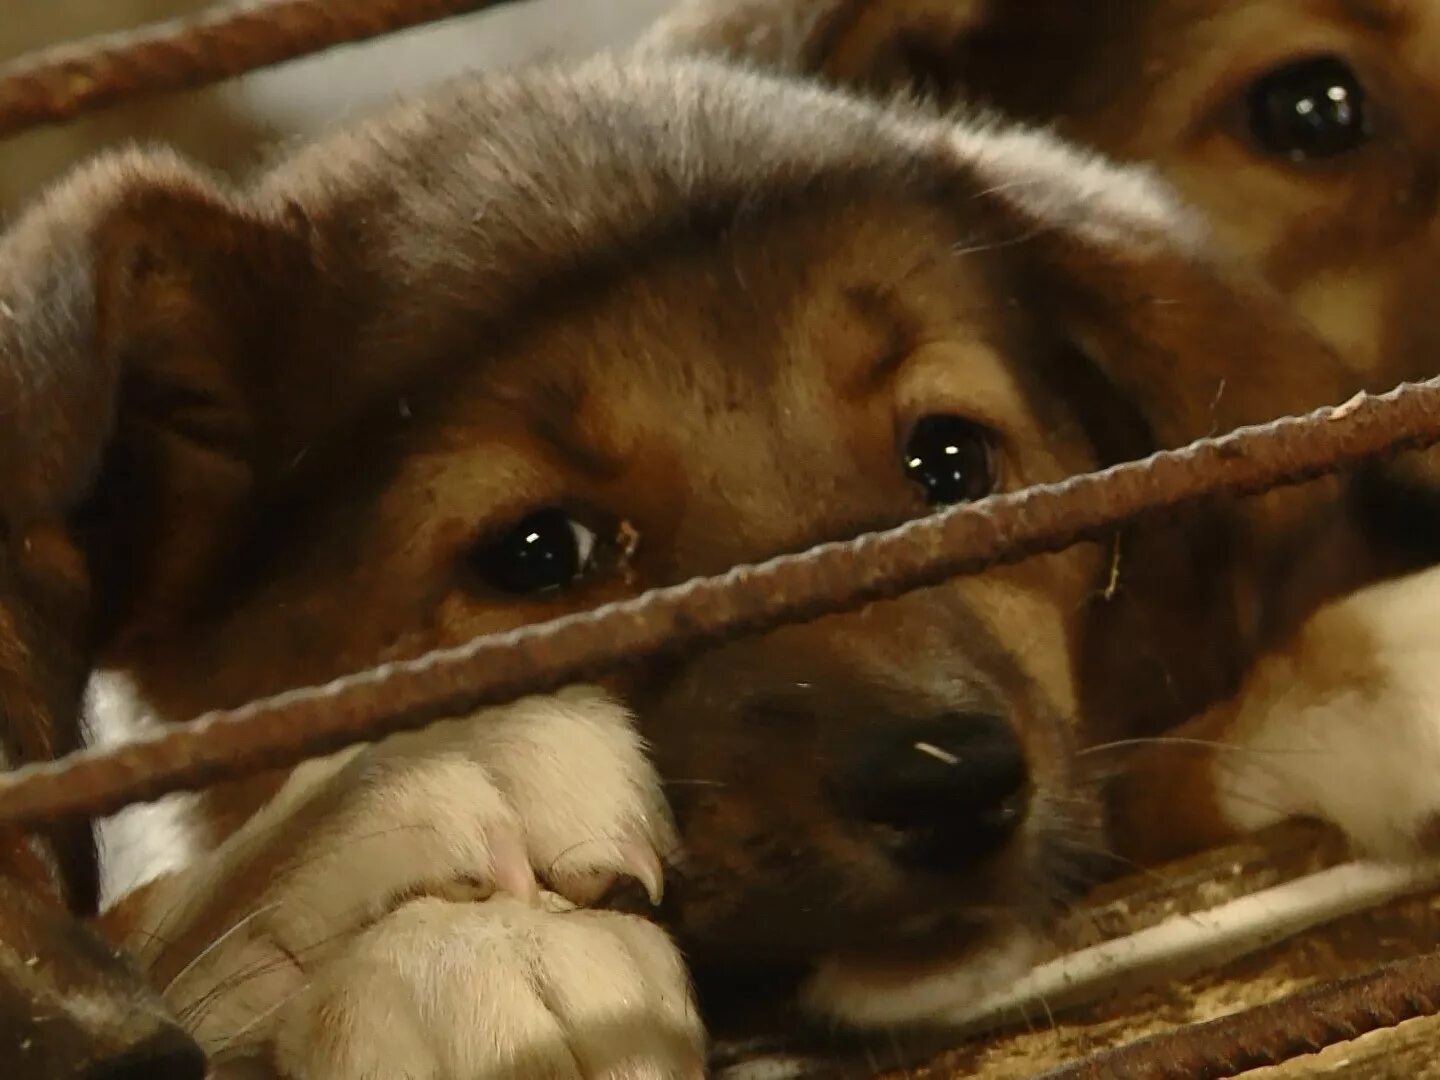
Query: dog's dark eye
544	551
1309	110
951	459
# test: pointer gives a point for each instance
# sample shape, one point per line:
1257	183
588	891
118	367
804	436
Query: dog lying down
1298	128
541	340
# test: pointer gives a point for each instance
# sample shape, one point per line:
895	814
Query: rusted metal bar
219	43
831	578
1276	1032
231	39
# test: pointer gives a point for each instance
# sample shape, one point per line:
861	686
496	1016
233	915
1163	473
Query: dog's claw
640	859
629	858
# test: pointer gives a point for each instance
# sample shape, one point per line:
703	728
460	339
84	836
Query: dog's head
1306	129
541	341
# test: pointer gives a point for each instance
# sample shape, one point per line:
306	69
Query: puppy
1300	130
538	341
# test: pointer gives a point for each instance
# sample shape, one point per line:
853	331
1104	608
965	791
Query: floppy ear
140	346
1199	347
137	303
878	44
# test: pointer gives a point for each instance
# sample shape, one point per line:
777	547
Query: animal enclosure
228	41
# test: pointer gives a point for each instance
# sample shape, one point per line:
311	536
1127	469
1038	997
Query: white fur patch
347	957
1349	729
501	988
148	840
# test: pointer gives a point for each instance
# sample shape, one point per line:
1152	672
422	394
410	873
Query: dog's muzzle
944	793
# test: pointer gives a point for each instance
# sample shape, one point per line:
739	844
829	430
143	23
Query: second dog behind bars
537	341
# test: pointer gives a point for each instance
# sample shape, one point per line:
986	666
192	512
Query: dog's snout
168	1055
948	791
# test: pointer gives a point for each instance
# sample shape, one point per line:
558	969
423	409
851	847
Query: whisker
961	250
1049	1012
210	948
256	1021
191	1014
292	957
1277	809
1009	185
1180	740
194	1013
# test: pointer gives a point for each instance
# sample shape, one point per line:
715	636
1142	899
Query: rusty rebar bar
219	43
232	39
833	577
1278	1031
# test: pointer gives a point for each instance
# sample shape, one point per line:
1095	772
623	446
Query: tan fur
1349	241
1162	84
700	310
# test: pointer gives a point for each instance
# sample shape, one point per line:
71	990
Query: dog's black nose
168	1055
950	790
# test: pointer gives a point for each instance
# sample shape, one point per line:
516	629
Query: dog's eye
951	459
544	551
1309	110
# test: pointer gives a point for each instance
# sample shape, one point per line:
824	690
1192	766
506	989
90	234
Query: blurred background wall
228	127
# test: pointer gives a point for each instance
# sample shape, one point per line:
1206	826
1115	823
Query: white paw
551	796
1345	724
513	989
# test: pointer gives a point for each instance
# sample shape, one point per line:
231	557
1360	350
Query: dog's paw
550	795
1344	725
555	792
442	990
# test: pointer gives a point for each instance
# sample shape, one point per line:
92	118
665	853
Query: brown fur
698	308
1348	241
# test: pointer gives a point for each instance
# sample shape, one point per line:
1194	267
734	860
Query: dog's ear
138	315
141	311
1127	274
1198	346
877	44
135	289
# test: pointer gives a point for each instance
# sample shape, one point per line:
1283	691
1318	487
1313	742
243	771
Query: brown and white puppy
537	341
1304	130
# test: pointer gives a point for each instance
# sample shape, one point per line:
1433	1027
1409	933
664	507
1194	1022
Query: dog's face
790	381
1305	129
539	343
